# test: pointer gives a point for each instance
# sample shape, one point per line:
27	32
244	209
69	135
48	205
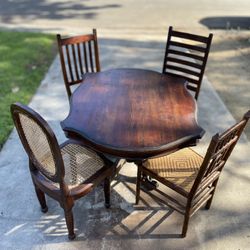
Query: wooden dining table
133	114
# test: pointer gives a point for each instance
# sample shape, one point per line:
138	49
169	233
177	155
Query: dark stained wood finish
55	186
78	55
204	186
133	113
179	55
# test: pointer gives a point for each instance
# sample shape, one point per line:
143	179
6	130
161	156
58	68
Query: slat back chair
191	175
78	55
187	57
65	172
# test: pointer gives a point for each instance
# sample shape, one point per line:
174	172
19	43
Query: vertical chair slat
85	57
90	56
80	58
69	63
75	63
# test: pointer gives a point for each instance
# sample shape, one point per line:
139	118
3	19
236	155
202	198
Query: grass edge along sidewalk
25	58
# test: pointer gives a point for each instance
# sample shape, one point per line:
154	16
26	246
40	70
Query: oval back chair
65	172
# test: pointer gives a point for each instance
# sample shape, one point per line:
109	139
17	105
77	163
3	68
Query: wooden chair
192	177
78	55
66	172
186	58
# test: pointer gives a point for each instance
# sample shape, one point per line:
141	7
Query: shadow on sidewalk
227	22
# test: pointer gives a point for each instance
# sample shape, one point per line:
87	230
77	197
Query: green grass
24	60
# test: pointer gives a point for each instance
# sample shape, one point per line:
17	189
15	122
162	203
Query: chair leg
70	223
209	202
185	224
138	184
41	198
107	191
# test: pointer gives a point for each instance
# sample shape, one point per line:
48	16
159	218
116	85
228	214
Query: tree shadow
31	10
226	22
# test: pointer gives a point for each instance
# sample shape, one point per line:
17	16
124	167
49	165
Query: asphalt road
157	15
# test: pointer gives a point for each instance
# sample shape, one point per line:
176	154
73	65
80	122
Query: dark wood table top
133	113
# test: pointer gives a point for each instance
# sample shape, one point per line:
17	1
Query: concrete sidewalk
150	225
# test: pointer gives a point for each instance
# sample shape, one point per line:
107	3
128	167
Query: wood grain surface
133	113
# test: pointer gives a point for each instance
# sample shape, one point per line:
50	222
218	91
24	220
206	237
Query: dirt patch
228	69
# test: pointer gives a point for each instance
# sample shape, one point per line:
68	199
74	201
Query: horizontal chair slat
187	46
191	88
76	39
225	146
199	204
205	192
207	182
188	71
75	82
185	77
190	36
223	135
186	54
184	62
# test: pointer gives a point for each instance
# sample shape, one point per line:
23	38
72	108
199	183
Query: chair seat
179	168
80	164
64	172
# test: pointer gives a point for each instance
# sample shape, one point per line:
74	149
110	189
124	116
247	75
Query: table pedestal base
147	183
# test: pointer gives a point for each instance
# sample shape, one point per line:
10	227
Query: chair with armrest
192	177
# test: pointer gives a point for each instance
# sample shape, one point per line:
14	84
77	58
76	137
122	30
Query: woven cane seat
180	168
80	163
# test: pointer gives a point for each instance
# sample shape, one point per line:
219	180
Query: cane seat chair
78	55
192	178
65	172
187	57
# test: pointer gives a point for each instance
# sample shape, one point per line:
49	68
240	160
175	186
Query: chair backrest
78	55
187	57
220	148
39	142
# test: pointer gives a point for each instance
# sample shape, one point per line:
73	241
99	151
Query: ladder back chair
187	57
64	172
78	55
192	177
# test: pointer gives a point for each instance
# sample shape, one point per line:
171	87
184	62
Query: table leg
148	183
